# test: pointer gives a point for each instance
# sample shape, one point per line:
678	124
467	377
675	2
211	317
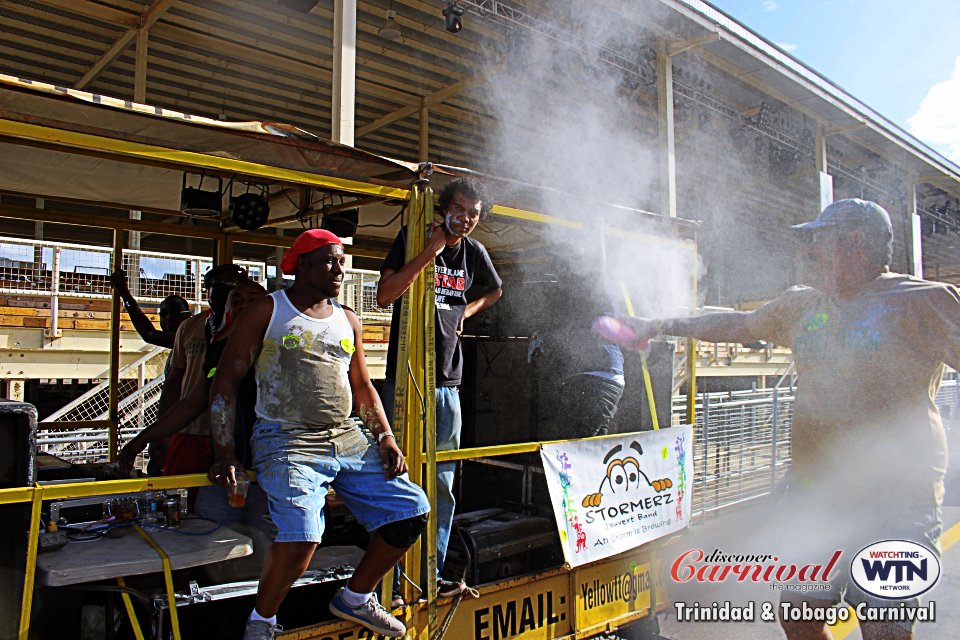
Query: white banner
613	494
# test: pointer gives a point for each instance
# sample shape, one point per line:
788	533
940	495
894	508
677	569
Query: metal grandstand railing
137	408
741	445
359	292
37	267
136	411
742	441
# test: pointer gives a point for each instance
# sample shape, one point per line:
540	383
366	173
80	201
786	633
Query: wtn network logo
895	569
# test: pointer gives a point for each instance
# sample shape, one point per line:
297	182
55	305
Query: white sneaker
370	614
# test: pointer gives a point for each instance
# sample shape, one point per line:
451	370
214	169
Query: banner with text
613	494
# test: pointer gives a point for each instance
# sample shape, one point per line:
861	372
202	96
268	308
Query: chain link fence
37	267
742	441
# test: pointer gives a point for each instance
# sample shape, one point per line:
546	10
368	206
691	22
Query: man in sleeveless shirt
466	283
310	373
868	445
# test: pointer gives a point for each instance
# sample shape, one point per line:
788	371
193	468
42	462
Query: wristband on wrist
385	434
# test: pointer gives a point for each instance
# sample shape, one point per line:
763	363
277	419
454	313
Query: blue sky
902	59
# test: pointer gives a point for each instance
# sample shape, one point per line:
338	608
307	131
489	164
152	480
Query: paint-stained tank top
302	379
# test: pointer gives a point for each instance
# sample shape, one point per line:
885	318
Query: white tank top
302	370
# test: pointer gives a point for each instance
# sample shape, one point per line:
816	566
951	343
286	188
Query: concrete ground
724	528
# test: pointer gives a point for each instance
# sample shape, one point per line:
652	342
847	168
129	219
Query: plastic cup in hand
237	494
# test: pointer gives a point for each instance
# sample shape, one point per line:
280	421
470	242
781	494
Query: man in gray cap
868	446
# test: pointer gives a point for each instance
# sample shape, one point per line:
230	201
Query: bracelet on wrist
385	434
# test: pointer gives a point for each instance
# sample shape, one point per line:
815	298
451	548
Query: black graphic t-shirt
463	272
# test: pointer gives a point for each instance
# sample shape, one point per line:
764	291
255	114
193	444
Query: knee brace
403	533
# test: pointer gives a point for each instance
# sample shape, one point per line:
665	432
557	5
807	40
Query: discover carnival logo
890	569
895	569
720	567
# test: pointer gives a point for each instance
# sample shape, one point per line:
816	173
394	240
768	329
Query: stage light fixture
390	29
195	201
451	15
343	223
249	211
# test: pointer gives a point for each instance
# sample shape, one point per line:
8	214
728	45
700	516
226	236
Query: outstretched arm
240	353
394	284
182	413
725	326
141	322
368	405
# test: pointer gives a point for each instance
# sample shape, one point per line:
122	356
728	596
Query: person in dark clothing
172	311
580	377
465	283
227	303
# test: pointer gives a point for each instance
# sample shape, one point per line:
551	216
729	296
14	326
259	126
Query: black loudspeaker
496	393
18	446
341	223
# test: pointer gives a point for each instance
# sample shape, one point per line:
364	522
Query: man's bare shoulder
260	308
256	317
352	316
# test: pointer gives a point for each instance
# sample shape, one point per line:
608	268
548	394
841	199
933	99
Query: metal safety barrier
38	267
742	441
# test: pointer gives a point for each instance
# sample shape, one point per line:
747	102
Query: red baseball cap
305	243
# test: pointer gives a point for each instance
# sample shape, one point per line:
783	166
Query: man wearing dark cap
311	373
466	283
868	445
188	450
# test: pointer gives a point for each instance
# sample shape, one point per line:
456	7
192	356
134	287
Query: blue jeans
449	422
294	471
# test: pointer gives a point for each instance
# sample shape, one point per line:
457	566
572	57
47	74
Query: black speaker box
18	445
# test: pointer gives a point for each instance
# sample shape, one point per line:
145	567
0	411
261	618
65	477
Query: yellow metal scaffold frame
414	417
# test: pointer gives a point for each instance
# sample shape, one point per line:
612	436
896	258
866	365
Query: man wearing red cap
466	283
311	373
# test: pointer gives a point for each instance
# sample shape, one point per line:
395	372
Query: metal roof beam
685	45
431	99
146	20
96	12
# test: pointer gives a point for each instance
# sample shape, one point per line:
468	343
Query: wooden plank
99	325
36	322
376	333
17	311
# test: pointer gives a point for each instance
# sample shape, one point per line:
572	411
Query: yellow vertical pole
30	571
430	413
224	249
691	347
415	402
113	401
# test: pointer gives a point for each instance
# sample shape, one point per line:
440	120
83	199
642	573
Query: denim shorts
295	468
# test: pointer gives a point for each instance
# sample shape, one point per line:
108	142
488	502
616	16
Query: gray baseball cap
851	212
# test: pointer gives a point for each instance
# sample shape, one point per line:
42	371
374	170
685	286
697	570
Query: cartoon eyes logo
291	341
624	476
